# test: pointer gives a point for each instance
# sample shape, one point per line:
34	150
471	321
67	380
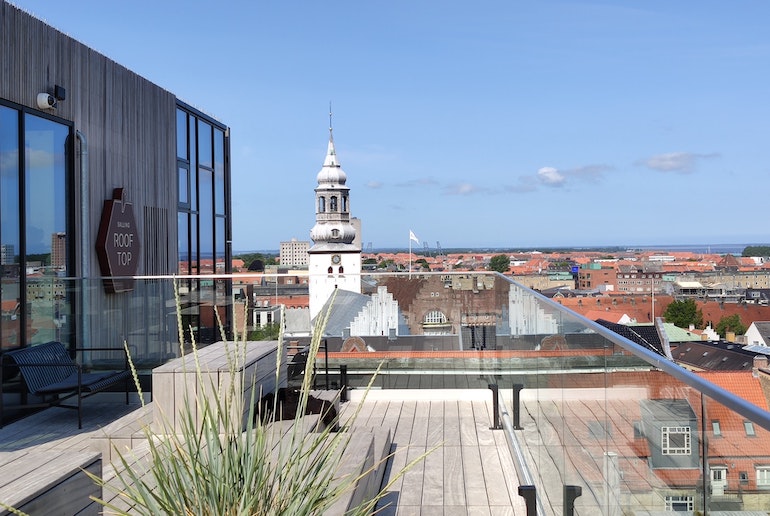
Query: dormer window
335	233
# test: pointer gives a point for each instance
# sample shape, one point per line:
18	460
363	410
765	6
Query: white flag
413	237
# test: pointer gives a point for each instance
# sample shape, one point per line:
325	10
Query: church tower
334	261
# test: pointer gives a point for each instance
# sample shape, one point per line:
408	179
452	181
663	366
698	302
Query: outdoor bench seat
49	371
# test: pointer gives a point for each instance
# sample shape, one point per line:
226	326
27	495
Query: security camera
45	101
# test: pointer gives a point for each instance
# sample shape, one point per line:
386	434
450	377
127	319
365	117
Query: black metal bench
48	371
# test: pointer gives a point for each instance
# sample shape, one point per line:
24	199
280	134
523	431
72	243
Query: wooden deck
469	471
46	448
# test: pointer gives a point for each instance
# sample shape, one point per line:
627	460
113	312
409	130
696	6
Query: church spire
332	200
331	153
334	259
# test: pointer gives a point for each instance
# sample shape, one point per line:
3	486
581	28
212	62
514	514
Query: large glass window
10	287
34	183
219	173
203	221
46	239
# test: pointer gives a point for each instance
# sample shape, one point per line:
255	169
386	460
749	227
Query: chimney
760	362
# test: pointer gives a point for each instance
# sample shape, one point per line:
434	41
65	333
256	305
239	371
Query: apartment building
594	276
293	254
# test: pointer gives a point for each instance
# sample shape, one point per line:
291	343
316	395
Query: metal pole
495	407
326	360
343	382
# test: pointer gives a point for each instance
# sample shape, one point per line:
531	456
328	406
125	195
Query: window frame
666	447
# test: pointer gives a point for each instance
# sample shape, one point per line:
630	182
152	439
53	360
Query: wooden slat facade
130	127
129	124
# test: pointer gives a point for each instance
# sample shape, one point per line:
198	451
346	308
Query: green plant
268	332
684	313
730	323
212	466
500	263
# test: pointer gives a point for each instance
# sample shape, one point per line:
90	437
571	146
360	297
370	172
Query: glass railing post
326	363
529	493
517	387
495	407
343	382
570	494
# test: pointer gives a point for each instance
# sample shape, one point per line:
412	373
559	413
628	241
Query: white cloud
461	189
550	176
422	181
591	173
555	178
681	162
374	185
37	158
9	159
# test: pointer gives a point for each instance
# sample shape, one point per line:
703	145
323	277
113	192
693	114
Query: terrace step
50	482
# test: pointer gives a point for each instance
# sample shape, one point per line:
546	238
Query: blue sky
486	124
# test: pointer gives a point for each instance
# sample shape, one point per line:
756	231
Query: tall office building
6	254
59	250
294	253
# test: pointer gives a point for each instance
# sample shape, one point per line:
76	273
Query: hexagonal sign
117	244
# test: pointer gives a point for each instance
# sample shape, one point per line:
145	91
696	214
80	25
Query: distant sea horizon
735	249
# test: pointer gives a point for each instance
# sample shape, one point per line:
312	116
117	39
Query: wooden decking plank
482	413
403	432
468	435
475	488
368	414
433	479
494	479
435	435
539	440
454	476
452	423
510	477
411	488
420	426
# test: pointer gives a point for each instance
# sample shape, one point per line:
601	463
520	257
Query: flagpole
410	256
412	236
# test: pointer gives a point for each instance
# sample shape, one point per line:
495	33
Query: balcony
585	421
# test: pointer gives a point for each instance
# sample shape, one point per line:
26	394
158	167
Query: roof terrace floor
469	470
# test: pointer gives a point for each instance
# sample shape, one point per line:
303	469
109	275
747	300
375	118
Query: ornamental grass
213	466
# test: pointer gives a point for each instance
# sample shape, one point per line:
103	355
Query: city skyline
523	125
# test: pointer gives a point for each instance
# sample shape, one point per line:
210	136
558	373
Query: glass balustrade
608	424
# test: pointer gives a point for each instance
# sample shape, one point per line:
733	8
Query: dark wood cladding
129	124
